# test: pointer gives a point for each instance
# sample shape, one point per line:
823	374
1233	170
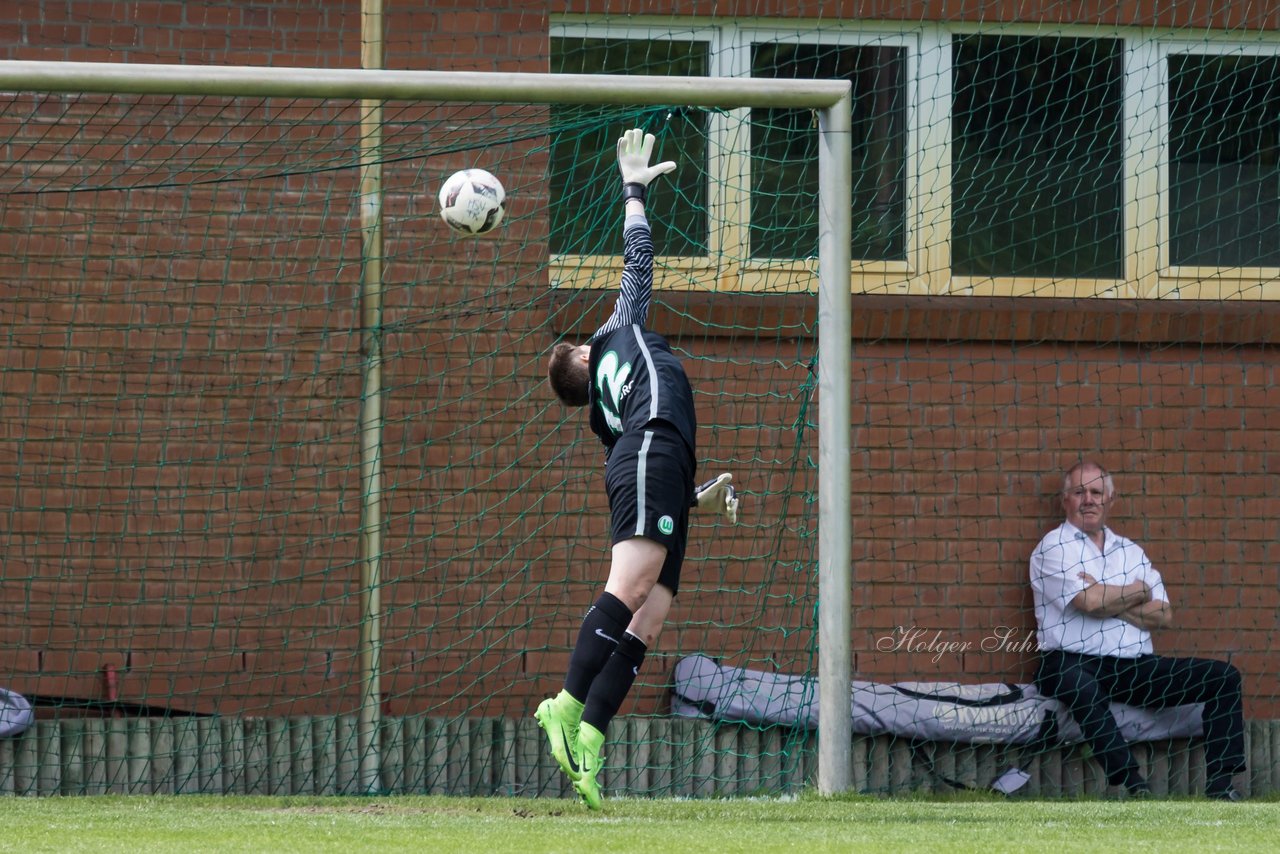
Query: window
1224	160
1025	161
1037	157
784	157
742	212
584	174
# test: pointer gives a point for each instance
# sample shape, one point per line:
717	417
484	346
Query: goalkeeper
641	407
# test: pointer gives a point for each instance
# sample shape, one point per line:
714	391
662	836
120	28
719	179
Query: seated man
1097	598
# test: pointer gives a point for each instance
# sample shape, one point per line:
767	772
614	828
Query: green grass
808	824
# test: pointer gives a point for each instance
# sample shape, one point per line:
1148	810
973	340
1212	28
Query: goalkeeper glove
634	149
720	496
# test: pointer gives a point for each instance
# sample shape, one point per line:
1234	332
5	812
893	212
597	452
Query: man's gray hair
1108	485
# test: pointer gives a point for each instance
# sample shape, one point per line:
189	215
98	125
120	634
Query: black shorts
649	479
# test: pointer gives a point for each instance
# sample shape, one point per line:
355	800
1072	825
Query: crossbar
388	84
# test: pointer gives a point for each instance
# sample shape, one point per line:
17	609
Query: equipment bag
992	713
16	715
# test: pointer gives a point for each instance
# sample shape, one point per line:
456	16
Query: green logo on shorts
666	525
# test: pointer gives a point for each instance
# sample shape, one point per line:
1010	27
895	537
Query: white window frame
728	197
1199	282
671	272
927	267
868	276
1030	286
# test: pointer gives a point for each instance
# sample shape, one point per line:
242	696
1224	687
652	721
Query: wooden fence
646	757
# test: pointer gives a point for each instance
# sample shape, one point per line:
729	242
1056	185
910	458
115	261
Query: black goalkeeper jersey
635	378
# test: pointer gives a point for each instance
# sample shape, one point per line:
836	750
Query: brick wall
958	449
181	466
965	413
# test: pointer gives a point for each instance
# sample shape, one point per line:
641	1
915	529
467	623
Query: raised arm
634	150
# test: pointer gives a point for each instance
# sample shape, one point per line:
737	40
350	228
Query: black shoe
1220	793
1139	789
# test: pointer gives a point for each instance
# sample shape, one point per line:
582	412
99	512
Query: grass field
197	823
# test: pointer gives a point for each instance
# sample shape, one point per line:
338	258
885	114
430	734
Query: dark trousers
1087	684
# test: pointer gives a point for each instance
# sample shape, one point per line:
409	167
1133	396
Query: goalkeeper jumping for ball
641	407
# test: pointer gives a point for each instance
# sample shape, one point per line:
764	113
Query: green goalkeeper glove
634	150
719	496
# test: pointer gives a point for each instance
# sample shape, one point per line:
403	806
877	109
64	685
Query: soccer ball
472	201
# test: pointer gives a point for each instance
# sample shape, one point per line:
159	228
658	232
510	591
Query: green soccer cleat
562	736
587	784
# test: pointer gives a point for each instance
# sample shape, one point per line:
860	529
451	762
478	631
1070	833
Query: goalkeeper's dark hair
569	377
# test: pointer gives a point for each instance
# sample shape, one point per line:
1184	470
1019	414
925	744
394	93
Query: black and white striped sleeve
636	290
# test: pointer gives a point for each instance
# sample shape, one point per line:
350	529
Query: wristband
632	190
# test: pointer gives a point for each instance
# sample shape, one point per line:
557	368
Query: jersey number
611	385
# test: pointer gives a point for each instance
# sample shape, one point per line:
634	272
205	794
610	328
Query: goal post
830	99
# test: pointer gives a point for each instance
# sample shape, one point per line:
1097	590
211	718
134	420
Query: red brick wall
206	544
965	413
959	445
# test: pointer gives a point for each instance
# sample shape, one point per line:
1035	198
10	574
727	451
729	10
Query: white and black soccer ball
472	201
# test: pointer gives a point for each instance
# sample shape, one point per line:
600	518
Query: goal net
186	358
267	521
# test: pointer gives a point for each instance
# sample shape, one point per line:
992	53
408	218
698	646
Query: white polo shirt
1056	564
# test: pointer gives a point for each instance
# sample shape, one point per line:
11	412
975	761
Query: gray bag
16	715
991	713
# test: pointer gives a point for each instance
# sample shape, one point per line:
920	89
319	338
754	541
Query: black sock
614	682
597	639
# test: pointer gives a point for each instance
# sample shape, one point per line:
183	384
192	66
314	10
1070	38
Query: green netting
183	370
184	376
